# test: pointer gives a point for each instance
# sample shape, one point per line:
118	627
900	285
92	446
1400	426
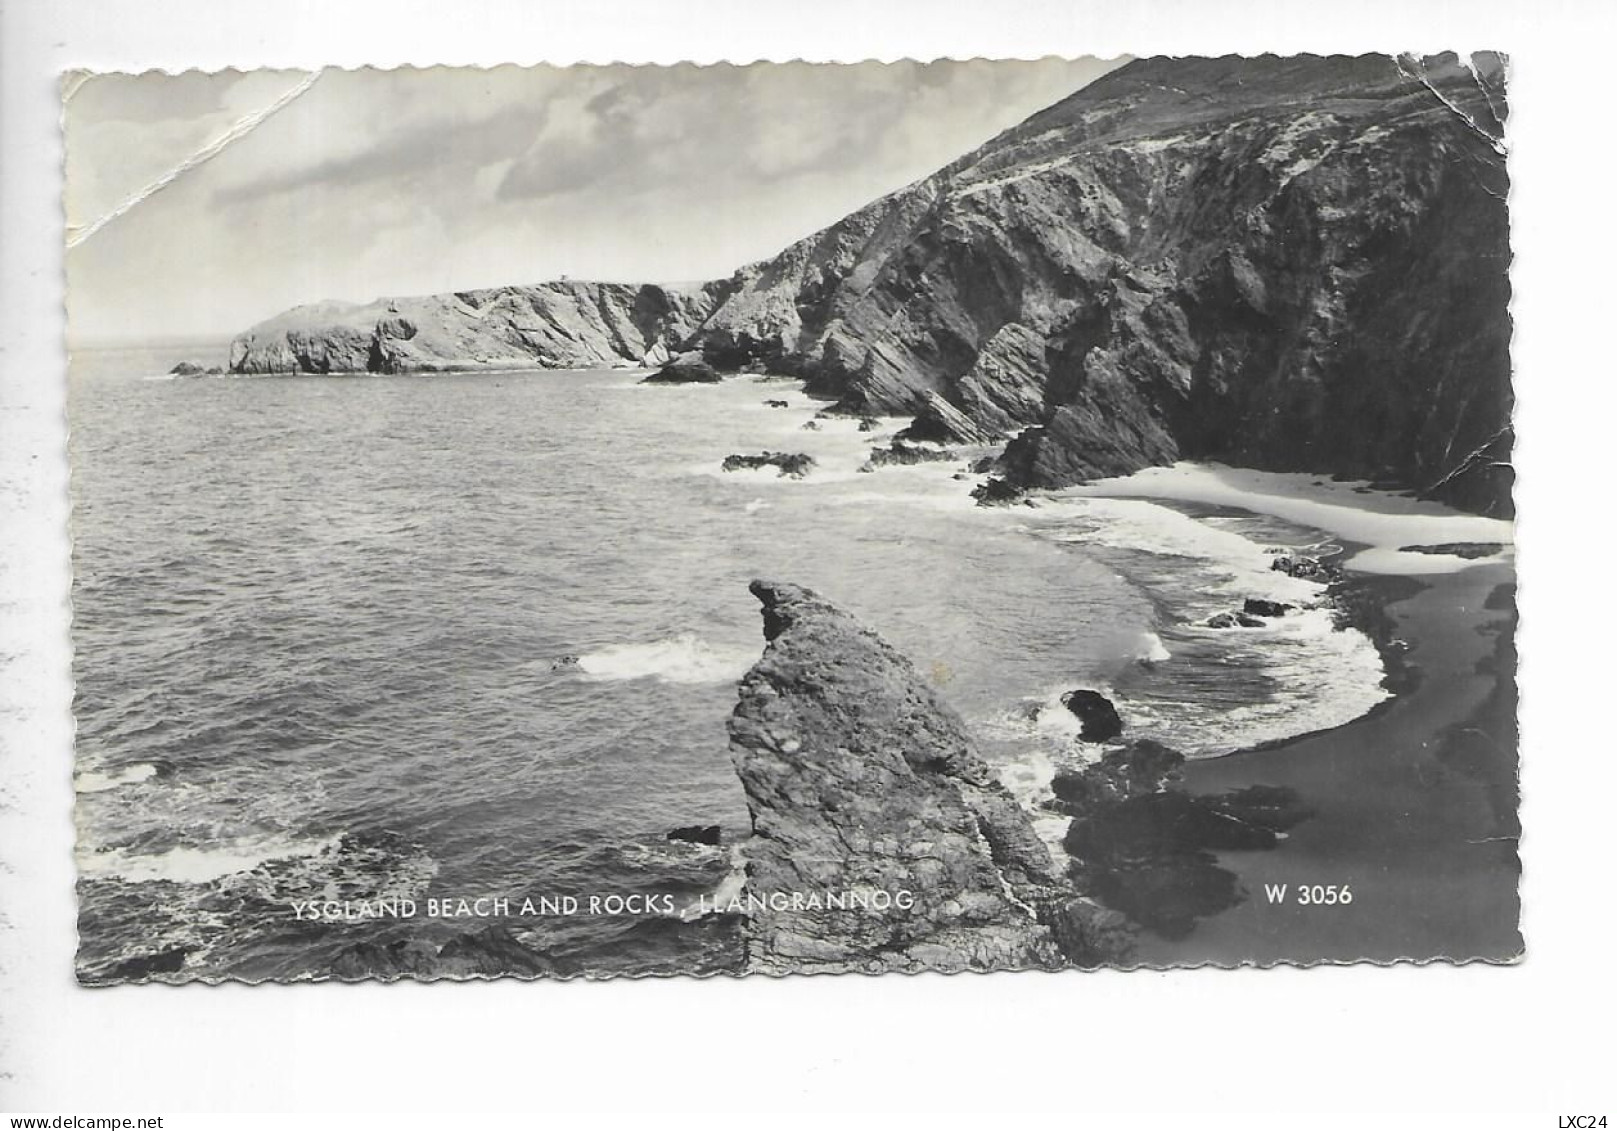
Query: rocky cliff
1286	263
566	325
865	789
1294	264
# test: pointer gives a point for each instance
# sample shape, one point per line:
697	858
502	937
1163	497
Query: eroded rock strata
1293	264
862	782
565	325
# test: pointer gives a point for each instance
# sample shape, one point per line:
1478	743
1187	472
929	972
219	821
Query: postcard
604	521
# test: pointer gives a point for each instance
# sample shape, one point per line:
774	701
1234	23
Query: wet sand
1415	809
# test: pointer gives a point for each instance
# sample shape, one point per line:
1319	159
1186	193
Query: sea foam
685	658
94	781
1382	521
1152	650
190	865
1307	674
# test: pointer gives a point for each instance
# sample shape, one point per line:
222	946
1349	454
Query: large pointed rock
864	786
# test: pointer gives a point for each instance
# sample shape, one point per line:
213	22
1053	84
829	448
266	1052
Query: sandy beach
1414	804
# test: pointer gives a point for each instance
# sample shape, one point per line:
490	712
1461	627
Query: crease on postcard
78	233
1413	68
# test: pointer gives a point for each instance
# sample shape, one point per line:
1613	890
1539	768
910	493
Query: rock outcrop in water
566	325
863	785
1289	264
794	465
697	834
900	453
195	369
1145	849
492	952
1096	714
686	369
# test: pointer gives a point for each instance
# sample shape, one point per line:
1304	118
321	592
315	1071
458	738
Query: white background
1534	1037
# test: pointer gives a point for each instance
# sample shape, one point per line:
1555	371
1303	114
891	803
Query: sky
199	204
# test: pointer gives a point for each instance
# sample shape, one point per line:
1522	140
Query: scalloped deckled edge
787	975
70	80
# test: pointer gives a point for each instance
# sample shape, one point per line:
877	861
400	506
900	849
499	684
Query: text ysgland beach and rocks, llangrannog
565	906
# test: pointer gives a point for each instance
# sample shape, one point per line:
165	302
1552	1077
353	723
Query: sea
476	636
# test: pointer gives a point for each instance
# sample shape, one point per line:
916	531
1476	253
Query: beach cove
1415	804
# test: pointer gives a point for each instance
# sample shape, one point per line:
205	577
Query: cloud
436	147
714	127
628	131
127	132
421	180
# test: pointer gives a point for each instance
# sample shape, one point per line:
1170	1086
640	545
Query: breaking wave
1153	650
685	658
95	781
190	865
1229	688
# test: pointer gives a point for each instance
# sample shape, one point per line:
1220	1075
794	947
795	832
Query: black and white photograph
596	521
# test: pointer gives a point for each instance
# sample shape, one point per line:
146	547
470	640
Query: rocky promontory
563	325
881	840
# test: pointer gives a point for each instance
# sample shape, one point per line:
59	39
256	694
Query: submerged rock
861	780
1141	768
793	464
696	834
1101	722
774	403
900	453
398	958
996	493
143	966
1234	620
492	952
868	424
193	369
1311	569
686	369
1258	607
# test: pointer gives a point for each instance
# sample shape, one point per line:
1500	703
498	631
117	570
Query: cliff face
1289	264
563	325
862	783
